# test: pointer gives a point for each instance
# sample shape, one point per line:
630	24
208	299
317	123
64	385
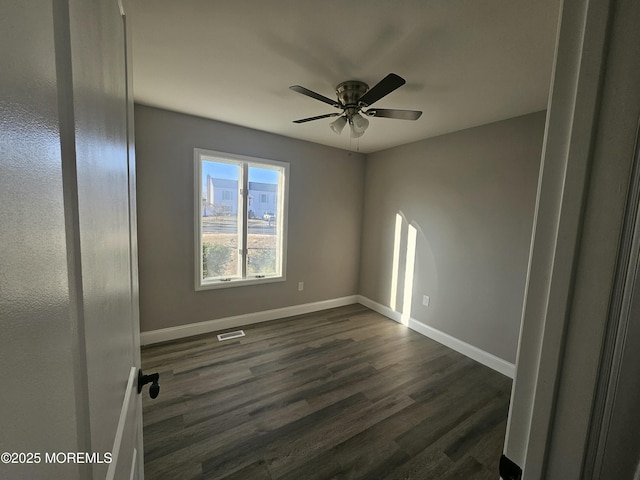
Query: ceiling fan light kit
338	124
353	97
358	125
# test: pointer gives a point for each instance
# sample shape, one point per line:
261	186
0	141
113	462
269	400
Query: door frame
579	221
624	301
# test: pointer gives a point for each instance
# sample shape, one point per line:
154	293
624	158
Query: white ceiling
466	62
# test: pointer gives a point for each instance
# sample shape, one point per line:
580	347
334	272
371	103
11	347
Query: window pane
264	222
242	220
220	220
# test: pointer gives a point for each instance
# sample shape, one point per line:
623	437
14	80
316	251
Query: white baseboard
173	333
181	331
486	358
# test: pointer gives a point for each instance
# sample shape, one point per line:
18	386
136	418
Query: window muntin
240	219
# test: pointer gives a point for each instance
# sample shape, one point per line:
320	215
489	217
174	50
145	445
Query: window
240	239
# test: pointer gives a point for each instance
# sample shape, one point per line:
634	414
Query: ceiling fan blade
384	87
304	120
317	96
391	113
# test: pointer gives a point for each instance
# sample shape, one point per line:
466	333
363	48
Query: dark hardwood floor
338	394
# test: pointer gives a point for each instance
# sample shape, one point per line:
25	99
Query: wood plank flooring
338	394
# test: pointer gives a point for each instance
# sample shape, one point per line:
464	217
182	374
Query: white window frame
199	155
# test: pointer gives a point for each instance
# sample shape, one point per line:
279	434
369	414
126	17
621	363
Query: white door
127	450
105	174
69	341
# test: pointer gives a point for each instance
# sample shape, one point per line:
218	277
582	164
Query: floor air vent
230	335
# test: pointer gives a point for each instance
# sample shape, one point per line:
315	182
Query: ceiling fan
353	97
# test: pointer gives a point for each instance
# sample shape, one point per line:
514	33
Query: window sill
239	282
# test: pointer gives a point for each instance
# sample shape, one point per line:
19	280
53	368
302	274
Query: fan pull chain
351	144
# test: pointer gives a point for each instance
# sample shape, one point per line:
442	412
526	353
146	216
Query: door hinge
509	470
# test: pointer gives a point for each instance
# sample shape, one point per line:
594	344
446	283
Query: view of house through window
241	219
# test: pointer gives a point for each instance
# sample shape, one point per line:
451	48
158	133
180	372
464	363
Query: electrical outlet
425	300
300	286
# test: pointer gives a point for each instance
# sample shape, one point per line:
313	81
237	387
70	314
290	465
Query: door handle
153	379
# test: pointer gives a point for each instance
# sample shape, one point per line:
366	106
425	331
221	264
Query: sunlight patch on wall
396	262
408	274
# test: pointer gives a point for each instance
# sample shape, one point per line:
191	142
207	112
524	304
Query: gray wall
325	215
470	195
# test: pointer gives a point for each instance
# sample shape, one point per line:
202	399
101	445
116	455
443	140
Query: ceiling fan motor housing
349	93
